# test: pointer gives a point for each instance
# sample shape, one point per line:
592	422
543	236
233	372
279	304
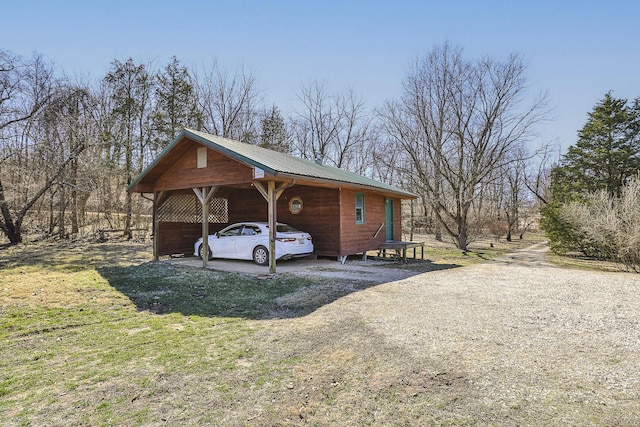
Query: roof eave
399	193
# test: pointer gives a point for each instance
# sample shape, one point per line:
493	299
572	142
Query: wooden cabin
200	175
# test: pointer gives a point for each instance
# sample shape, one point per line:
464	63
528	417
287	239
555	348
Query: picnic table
401	247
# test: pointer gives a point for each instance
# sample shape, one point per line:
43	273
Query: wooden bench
401	248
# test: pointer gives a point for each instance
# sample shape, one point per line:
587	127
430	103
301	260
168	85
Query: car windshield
285	228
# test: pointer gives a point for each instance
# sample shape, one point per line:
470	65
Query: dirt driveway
514	341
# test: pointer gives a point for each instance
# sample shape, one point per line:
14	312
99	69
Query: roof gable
272	162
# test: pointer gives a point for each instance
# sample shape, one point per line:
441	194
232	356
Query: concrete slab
379	271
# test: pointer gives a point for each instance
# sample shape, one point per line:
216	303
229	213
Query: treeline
457	135
594	208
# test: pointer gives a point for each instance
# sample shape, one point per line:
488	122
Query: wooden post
271	195
156	200
205	227
204	195
273	224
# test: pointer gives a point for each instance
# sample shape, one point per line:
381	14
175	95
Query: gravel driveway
514	341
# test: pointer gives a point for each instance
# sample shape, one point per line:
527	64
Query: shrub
599	226
564	235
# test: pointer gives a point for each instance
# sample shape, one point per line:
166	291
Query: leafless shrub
498	229
610	226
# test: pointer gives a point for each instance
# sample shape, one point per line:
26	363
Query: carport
202	183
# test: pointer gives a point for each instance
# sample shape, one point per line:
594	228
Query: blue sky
576	50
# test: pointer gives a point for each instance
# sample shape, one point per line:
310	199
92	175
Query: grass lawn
95	335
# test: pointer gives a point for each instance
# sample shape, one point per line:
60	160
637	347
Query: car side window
250	230
231	232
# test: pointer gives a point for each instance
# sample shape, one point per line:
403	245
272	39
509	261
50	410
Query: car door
224	246
247	240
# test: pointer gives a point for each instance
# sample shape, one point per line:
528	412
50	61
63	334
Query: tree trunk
437	231
462	237
52	219
62	212
74	197
462	224
128	213
10	229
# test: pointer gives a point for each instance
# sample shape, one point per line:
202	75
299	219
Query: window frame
360	211
297	200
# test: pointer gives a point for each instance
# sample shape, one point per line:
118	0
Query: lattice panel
183	207
218	211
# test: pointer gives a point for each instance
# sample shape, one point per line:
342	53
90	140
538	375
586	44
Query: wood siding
359	238
184	173
320	215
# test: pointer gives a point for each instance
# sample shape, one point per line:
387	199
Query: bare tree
229	103
458	121
20	94
538	177
32	164
66	129
333	127
514	176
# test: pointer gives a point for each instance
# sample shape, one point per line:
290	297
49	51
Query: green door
388	208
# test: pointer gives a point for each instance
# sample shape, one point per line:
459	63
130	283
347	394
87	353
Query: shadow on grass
420	266
161	288
70	256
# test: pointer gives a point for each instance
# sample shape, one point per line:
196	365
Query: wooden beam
199	194
279	190
162	197
261	190
283	187
212	190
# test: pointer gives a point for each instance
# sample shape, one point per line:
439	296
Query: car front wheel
261	255
201	250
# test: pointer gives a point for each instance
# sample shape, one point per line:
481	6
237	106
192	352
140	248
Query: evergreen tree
274	134
176	104
606	155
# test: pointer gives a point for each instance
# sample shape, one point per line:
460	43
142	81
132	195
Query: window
359	208
286	228
202	157
295	205
250	230
229	232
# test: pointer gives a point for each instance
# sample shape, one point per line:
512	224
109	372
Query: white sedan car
250	240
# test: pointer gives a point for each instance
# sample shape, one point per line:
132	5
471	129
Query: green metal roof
275	163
